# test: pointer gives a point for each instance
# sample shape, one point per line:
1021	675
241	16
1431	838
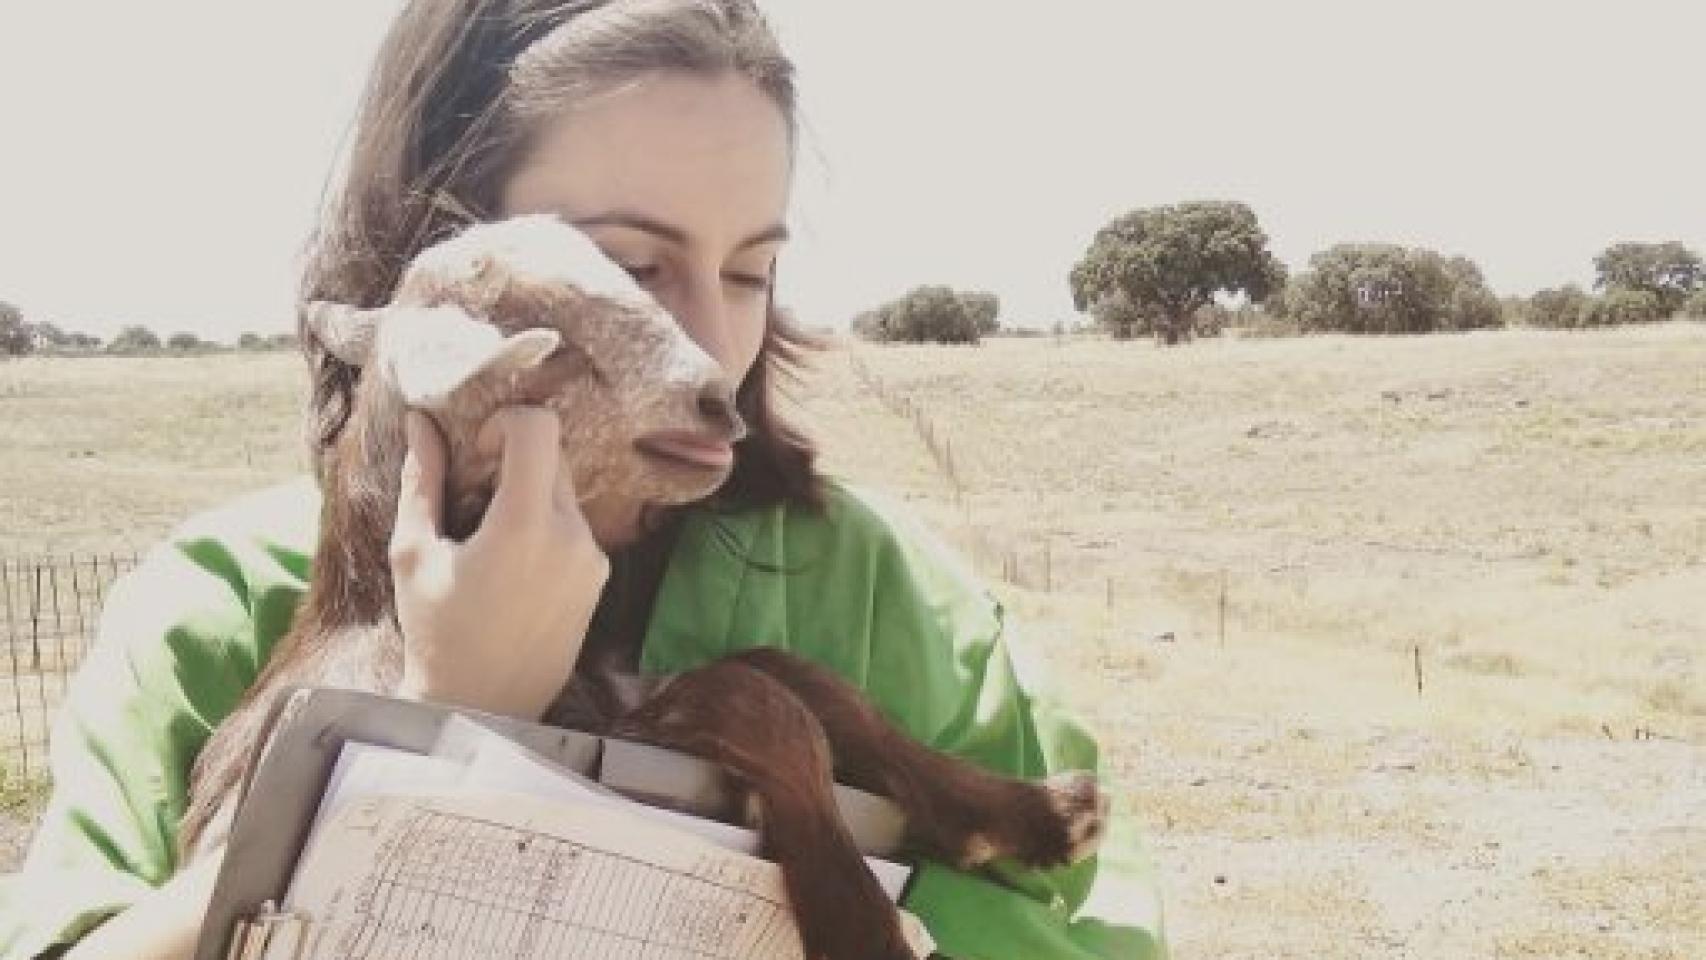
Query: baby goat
529	311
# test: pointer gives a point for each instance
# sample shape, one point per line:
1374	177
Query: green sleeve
994	707
1105	907
179	640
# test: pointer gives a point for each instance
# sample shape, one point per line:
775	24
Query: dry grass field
1233	558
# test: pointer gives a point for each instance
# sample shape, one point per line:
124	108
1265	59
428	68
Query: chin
673	483
619	522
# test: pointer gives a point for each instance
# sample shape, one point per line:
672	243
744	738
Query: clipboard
282	797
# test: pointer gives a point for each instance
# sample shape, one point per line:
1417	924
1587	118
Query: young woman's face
683	180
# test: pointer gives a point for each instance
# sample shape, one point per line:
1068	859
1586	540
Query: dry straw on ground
1233	557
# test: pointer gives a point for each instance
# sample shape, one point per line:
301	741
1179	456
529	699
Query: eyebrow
775	233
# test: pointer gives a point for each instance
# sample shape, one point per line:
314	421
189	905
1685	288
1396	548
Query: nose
716	405
699	309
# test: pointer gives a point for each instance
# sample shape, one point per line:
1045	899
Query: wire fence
1028	565
49	607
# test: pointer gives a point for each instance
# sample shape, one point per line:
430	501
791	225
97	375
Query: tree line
1168	272
21	337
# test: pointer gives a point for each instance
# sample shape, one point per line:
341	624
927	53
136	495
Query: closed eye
752	281
641	272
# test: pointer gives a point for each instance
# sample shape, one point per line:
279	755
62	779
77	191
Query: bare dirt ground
1520	513
1232	558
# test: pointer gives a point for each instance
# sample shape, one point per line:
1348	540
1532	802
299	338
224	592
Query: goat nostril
717	406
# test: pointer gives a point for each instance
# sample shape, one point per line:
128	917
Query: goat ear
346	332
432	352
522	351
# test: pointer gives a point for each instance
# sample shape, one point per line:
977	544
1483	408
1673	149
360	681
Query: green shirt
858	588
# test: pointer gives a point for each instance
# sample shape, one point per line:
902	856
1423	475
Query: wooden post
1223	608
1048	567
17	674
78	624
35	645
1110	591
1417	651
97	599
35	619
58	617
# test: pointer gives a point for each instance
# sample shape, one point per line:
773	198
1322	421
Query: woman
665	130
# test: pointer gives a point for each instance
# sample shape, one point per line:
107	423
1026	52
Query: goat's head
530	311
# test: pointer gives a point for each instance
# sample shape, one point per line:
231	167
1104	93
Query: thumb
527	472
420	496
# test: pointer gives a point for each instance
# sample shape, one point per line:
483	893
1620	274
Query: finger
527	473
564	495
420	495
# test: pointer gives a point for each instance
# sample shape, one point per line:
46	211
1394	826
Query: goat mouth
691	450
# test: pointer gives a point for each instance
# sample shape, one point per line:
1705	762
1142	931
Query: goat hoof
1078	800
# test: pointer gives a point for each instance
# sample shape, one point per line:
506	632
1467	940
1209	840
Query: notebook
376	828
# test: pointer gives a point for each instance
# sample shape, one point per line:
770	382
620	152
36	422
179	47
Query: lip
691	448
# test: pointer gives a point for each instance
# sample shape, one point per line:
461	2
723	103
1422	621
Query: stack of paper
486	849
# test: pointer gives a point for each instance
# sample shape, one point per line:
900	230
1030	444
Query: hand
495	622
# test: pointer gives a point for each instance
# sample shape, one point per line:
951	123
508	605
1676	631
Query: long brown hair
458	91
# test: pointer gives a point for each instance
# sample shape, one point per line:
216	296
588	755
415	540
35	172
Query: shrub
134	339
930	314
1384	288
1621	306
15	339
1563	308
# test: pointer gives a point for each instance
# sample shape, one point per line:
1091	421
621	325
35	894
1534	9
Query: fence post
76	594
96	601
1223	608
58	615
17	675
35	618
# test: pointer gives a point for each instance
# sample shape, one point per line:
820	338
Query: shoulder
862	541
209	600
285	516
861	586
868	521
243	549
910	554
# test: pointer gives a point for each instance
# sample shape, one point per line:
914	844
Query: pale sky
160	163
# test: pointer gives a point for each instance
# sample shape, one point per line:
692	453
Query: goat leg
956	811
766	739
